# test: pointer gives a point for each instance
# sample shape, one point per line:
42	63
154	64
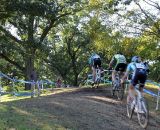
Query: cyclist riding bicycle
94	62
118	63
139	73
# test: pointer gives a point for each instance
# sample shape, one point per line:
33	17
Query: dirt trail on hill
88	109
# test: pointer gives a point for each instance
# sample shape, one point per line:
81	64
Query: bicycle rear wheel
98	77
143	117
112	90
130	107
120	92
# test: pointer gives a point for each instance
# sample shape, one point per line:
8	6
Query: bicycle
98	76
139	105
118	88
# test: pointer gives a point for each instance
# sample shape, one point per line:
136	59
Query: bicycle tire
112	91
98	78
130	110
120	92
117	92
144	123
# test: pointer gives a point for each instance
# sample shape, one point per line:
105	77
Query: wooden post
42	86
13	87
32	89
158	98
0	88
39	88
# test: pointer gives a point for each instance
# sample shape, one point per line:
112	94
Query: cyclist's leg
116	68
142	80
94	73
138	78
134	82
113	75
131	97
98	65
94	67
124	66
94	70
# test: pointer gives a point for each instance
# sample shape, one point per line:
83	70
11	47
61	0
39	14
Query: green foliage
57	37
155	70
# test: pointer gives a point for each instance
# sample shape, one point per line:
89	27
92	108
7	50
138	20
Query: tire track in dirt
85	109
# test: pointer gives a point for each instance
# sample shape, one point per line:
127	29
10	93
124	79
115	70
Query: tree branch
156	4
30	28
144	12
141	31
7	33
46	30
11	61
51	24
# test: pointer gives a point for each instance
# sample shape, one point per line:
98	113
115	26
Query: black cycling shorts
139	78
120	67
96	62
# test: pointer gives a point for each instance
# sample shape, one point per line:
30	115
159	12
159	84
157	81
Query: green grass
13	117
15	113
152	100
45	92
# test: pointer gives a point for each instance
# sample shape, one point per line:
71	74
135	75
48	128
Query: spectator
58	83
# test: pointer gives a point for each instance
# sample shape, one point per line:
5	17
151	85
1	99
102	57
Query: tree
69	55
32	21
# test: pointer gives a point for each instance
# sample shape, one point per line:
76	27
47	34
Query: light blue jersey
93	56
131	67
138	73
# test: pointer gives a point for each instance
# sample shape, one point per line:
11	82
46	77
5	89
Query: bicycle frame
98	75
142	108
117	87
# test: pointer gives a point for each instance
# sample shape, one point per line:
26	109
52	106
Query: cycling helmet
136	59
119	53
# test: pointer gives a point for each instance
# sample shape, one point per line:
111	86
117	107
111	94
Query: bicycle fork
140	102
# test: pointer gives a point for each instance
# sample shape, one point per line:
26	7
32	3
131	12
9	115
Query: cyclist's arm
111	62
125	75
127	72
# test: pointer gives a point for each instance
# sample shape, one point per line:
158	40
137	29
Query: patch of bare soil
87	109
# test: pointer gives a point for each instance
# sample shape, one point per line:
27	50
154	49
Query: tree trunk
29	75
75	79
75	83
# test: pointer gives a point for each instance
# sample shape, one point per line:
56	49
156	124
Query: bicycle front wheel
143	115
130	107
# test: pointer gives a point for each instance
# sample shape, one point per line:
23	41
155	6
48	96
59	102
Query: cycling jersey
120	62
139	73
94	58
133	66
119	58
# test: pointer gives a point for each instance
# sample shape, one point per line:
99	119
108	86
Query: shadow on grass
21	117
43	112
69	109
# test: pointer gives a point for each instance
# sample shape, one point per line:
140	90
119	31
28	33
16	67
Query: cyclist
94	61
139	73
119	63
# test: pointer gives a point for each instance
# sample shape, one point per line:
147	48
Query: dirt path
86	109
